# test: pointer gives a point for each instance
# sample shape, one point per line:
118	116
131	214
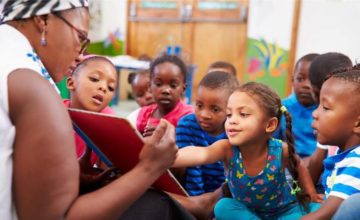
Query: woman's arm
46	171
193	156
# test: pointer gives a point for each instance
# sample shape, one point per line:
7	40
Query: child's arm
193	156
304	177
316	164
327	210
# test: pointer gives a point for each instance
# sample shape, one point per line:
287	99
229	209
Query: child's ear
271	125
184	88
357	126
70	83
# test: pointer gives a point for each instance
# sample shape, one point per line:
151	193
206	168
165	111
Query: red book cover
116	141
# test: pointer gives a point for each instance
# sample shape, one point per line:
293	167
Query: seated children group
227	138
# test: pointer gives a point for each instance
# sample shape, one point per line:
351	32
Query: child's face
210	109
246	121
93	86
336	116
167	85
140	87
302	85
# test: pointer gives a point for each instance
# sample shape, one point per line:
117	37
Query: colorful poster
268	43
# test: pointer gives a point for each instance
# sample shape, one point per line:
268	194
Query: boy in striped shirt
337	122
205	127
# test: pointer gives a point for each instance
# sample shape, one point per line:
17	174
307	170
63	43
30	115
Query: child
255	162
320	69
337	122
222	66
324	65
300	105
91	86
140	87
205	127
167	84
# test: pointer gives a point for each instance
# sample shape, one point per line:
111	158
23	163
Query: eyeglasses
84	40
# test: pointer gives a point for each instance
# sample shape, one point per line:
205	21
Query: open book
117	144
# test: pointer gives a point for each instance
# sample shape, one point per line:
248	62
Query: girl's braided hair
270	102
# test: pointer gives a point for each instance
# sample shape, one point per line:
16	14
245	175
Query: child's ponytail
302	197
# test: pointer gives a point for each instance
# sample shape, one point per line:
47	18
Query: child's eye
111	89
299	79
325	108
198	105
93	79
215	110
244	115
228	115
139	95
173	86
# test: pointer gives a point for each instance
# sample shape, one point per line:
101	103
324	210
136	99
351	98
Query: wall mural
267	63
268	43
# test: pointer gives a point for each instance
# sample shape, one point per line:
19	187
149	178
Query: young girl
91	86
167	84
139	82
255	162
337	122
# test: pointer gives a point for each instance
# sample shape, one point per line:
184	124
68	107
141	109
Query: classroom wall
329	25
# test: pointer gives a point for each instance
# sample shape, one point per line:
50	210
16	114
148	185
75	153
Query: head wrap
21	9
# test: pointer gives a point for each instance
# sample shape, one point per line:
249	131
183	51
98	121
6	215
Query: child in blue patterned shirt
337	122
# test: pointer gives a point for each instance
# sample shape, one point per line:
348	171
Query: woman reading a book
39	172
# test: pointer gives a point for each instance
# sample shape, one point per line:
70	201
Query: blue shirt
266	193
305	140
205	178
341	177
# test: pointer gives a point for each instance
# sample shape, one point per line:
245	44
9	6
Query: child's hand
318	198
159	151
148	131
97	178
85	161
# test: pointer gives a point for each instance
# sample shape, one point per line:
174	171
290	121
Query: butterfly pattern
265	191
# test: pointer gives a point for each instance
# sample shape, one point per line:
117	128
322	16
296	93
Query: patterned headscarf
21	9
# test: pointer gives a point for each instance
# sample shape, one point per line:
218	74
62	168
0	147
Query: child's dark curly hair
169	59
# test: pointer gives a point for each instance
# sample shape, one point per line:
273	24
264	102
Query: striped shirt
205	178
341	177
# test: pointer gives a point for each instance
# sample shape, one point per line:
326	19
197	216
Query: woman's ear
40	22
70	83
272	125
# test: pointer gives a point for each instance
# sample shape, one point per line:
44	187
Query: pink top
145	115
80	144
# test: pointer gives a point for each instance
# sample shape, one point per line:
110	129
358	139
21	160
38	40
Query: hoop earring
43	39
